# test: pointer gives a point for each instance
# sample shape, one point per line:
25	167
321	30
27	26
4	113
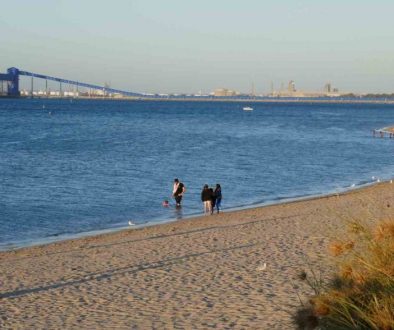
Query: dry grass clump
361	296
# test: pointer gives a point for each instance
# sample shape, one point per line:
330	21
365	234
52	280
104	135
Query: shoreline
149	223
232	270
268	100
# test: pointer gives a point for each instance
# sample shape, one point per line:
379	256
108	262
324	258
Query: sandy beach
232	270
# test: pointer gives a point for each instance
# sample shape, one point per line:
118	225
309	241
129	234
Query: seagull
353	185
262	267
131	224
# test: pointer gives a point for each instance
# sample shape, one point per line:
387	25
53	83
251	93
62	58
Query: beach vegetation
360	294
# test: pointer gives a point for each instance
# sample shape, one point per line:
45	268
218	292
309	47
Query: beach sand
205	272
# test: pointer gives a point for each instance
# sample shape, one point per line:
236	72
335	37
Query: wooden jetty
383	132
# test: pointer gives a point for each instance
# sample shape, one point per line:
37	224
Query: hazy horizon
188	47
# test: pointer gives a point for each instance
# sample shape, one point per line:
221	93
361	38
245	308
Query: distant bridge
13	74
12	77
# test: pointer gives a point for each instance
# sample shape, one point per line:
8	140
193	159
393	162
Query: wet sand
205	272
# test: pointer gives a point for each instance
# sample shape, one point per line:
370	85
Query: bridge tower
13	83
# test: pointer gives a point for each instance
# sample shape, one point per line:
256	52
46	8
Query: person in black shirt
178	191
218	196
206	198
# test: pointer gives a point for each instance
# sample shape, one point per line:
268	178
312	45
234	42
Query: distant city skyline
188	47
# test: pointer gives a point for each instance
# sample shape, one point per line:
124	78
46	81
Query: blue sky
188	46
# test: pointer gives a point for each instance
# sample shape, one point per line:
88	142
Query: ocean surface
72	167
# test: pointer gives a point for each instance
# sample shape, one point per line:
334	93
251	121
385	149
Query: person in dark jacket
218	197
206	198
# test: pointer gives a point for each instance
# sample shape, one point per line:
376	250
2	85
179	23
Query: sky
180	46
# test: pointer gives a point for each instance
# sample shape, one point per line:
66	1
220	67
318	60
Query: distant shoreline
216	99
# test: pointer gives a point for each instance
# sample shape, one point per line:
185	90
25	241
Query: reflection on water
178	212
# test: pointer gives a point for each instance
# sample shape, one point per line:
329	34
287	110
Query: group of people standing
211	198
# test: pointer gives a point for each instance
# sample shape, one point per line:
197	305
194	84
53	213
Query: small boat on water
247	109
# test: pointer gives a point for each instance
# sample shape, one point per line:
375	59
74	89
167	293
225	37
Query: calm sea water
68	168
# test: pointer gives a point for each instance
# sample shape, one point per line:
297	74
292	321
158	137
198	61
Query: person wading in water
178	191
